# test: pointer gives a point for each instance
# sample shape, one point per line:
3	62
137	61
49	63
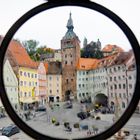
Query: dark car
83	115
41	108
10	130
68	105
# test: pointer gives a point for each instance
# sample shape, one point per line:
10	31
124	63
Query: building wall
117	85
57	55
83	85
42	79
11	84
28	85
100	85
70	56
54	87
91	83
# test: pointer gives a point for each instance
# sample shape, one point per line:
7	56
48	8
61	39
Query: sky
49	27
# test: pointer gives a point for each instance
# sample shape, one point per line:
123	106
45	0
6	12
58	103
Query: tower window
66	62
67	81
71	63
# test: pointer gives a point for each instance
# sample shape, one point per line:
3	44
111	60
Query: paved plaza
42	122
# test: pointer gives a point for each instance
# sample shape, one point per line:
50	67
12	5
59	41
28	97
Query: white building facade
11	84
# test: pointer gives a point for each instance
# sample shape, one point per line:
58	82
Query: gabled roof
112	48
87	63
46	66
20	55
107	61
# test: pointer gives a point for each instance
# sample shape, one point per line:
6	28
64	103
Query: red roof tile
87	63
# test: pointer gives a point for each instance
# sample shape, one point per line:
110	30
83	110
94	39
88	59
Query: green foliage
34	50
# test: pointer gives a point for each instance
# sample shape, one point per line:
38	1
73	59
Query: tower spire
70	23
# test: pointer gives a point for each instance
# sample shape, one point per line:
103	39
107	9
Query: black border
86	4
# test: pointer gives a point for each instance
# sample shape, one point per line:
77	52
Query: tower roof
70	33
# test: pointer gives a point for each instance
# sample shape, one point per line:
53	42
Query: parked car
41	108
83	115
2	115
10	130
68	105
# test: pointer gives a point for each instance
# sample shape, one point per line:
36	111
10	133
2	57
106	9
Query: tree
31	47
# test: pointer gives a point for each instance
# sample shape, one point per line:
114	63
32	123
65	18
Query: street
42	122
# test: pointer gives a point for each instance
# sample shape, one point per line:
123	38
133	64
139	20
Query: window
123	105
21	83
36	83
71	63
32	75
115	78
118	67
35	75
79	85
57	78
50	91
71	80
67	81
66	62
120	95
65	55
123	86
79	94
57	91
130	77
50	78
20	73
25	94
114	69
111	87
119	86
110	78
130	86
25	74
29	75
124	96
115	86
7	79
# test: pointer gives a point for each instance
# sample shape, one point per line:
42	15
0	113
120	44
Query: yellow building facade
28	85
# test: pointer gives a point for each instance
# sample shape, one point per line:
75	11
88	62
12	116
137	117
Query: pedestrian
135	137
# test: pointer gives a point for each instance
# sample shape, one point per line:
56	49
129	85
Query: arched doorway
67	95
101	100
57	98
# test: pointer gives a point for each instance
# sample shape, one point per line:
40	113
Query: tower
70	49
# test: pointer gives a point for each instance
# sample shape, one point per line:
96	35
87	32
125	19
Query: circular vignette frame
85	4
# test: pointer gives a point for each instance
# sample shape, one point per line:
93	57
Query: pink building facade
42	84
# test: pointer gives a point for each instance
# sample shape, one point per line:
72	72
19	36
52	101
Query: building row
72	77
